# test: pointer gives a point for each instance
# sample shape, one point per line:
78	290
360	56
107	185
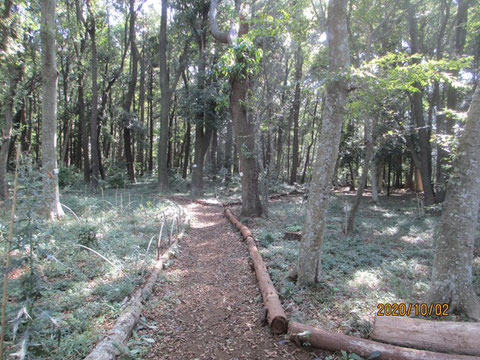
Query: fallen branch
111	345
276	317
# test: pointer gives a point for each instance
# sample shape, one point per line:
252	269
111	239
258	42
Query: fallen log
444	336
276	317
292	235
271	197
111	346
303	334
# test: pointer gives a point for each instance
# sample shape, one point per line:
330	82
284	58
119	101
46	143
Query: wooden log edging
303	334
444	336
111	346
322	339
276	317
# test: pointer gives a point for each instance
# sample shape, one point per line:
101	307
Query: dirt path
209	306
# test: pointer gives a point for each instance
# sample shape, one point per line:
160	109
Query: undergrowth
70	279
387	259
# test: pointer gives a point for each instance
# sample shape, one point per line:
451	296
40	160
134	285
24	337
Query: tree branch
223	37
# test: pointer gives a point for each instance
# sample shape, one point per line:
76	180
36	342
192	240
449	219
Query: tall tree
167	88
95	162
295	112
128	116
244	128
453	265
309	257
49	111
417	115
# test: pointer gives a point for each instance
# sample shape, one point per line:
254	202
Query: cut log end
279	325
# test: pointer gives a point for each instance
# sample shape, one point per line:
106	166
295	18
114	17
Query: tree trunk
245	141
373	166
202	142
447	123
141	101
228	151
309	257
51	191
295	113
416	103
165	103
15	76
94	115
453	264
369	128
187	150
128	118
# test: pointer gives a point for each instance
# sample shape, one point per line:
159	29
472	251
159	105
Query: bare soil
209	306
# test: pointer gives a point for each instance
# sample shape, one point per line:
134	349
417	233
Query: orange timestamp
417	309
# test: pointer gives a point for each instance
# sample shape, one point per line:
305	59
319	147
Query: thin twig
100	255
66	207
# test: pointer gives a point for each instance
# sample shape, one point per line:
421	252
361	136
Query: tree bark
453	264
309	258
369	129
244	129
15	76
227	164
295	113
129	117
94	114
165	103
416	103
51	191
203	135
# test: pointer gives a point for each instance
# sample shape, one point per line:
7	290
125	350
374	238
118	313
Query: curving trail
209	305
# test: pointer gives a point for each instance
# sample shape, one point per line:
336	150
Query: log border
302	334
111	345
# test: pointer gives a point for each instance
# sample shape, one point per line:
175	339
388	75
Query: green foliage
117	177
241	59
69	176
401	71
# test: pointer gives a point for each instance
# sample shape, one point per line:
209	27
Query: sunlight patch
364	278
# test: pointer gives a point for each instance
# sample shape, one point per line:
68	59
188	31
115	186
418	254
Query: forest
141	141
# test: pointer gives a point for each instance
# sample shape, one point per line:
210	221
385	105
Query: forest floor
208	305
63	297
387	259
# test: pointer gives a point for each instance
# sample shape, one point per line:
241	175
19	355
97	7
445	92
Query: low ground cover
71	278
387	259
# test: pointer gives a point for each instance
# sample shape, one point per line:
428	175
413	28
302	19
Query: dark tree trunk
128	117
202	142
228	151
295	113
150	109
165	103
94	114
187	150
416	103
141	101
